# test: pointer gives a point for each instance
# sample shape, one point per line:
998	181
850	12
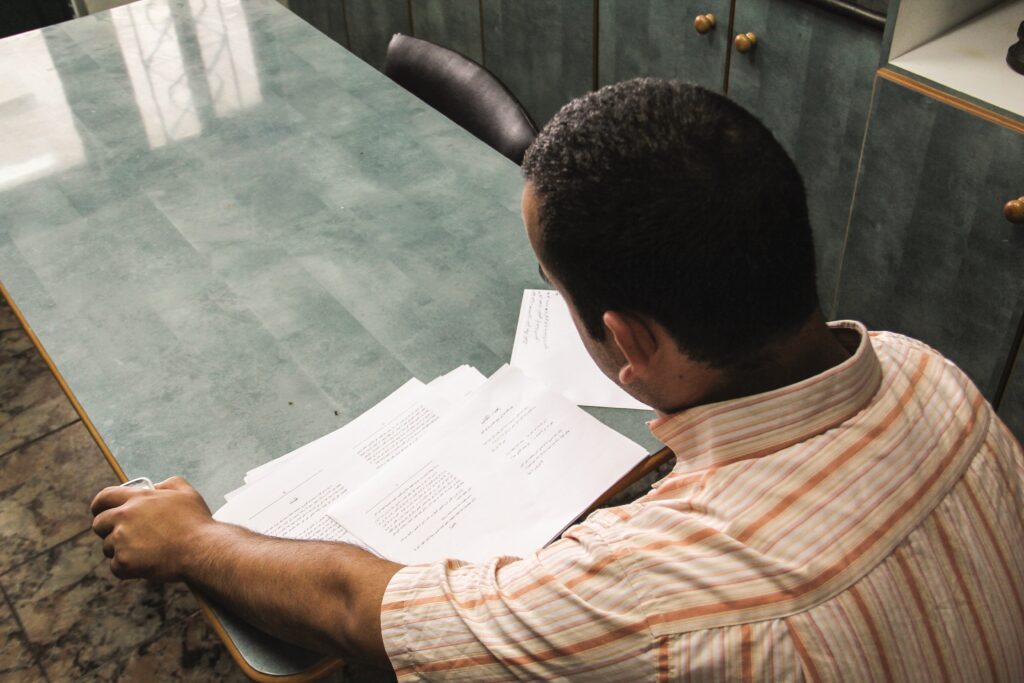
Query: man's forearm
324	596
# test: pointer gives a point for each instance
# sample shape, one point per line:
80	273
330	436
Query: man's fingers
108	547
103	523
118	569
113	496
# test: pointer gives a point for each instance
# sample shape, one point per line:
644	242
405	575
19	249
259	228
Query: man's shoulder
893	344
787	530
920	371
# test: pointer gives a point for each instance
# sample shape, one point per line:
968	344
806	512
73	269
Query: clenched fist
151	534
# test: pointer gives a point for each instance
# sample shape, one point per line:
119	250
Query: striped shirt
864	524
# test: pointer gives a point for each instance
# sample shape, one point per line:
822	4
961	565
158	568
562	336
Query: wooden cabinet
1011	408
371	23
929	252
543	50
808	77
363	26
658	38
328	16
452	23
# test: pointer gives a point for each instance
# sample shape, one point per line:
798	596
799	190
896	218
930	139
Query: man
845	505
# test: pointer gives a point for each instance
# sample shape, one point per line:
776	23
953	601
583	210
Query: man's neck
811	351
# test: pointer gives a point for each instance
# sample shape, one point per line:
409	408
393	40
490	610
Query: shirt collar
720	433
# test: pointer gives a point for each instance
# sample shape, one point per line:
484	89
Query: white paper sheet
456	384
290	499
501	474
315	454
548	347
290	507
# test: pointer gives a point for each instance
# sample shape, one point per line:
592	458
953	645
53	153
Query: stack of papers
463	467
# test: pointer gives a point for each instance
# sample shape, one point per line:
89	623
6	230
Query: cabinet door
808	78
929	253
1011	408
371	23
543	50
657	38
328	16
454	24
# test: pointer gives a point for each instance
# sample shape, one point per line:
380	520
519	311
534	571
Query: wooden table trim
646	466
63	385
325	666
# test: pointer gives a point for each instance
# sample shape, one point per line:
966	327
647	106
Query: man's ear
636	340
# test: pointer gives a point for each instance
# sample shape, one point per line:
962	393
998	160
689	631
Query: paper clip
139	483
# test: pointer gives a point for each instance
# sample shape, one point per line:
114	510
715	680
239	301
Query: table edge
325	666
650	462
328	664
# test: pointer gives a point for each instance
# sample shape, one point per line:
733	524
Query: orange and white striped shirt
863	524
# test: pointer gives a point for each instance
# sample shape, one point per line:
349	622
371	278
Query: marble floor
63	616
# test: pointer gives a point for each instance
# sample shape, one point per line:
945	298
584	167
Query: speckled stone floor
63	616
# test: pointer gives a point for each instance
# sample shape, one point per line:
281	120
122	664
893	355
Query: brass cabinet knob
745	42
704	23
1014	210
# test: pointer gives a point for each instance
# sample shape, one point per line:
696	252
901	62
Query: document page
502	474
290	499
314	454
456	384
548	347
290	506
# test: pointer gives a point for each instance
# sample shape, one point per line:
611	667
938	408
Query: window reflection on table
227	55
152	55
40	104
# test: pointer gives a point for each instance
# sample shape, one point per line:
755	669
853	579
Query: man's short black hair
665	199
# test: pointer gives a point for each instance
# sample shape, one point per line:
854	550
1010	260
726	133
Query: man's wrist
208	540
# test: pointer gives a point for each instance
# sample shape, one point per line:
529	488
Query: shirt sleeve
566	611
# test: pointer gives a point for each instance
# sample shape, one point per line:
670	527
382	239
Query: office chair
463	91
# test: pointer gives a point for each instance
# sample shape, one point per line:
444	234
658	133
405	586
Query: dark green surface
371	25
657	38
455	24
892	12
328	16
542	50
1011	408
929	252
809	79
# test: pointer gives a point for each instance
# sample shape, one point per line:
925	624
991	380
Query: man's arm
324	596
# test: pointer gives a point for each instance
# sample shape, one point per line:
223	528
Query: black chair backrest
463	91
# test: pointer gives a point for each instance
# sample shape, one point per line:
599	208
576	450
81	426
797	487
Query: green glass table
229	236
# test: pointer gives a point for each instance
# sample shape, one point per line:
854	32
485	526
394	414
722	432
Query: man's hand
323	596
150	534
